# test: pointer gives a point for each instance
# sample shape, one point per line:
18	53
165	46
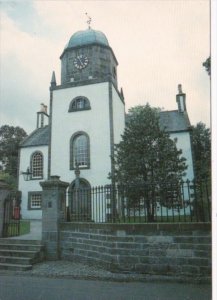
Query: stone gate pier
53	212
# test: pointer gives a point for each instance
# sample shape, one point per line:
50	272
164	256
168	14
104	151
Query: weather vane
89	20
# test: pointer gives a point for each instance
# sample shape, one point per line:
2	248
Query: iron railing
188	201
11	222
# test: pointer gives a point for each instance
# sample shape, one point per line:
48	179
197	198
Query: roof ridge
166	111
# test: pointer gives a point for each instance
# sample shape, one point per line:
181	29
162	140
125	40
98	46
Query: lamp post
27	174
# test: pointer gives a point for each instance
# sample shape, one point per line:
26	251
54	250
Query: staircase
20	255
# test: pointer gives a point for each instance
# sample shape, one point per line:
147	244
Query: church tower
87	111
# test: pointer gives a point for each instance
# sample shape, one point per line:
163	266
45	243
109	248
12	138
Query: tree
10	180
201	142
207	65
146	156
10	138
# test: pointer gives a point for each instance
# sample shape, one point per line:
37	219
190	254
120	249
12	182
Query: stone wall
162	249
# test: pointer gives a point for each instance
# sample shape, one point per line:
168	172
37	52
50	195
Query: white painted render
182	107
118	116
31	185
43	119
184	143
95	122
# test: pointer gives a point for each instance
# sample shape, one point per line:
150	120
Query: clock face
81	61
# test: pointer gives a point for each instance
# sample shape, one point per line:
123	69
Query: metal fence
188	201
11	221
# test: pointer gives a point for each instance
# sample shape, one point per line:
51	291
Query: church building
86	118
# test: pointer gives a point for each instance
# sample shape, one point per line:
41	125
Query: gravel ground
68	269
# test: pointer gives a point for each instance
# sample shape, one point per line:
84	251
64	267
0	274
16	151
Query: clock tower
87	111
88	57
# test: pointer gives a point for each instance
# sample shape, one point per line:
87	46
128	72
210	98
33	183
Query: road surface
39	288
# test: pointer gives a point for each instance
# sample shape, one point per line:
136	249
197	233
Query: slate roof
173	121
38	137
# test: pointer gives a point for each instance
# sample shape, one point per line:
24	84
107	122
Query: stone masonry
53	212
160	249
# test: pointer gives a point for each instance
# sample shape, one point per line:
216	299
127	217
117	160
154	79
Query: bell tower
87	110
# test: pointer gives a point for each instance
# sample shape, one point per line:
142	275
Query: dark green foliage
146	156
10	138
9	179
201	142
207	65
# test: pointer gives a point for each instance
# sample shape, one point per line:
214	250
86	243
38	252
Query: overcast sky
158	45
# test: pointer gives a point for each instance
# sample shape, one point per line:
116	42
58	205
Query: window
34	200
79	150
79	103
37	165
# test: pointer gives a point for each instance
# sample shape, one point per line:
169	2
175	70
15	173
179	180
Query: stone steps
20	255
16	260
19	241
21	247
15	267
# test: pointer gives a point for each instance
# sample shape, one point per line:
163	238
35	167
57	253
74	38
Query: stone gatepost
4	191
53	212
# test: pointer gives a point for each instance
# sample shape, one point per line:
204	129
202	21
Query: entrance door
80	201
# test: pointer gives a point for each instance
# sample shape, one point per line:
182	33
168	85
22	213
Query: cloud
25	72
158	44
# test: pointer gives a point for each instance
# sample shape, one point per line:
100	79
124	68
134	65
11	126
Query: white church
86	118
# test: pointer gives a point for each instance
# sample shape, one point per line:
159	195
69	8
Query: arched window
79	103
79	150
37	165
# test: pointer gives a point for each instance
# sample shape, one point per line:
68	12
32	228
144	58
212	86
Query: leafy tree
201	142
10	180
207	65
10	138
146	157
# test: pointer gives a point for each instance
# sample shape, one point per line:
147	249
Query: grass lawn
24	227
163	219
13	228
157	219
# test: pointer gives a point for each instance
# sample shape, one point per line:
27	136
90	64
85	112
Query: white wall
118	116
31	185
95	122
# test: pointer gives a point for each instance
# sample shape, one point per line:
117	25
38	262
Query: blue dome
85	37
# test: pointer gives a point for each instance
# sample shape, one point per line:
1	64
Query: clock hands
81	61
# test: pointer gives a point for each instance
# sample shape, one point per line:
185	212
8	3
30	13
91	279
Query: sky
158	44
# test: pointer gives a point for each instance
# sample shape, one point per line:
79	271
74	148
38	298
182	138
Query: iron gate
11	223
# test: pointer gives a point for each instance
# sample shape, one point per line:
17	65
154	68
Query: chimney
180	99
42	116
43	108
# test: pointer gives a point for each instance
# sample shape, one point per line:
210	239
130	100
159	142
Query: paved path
35	231
33	288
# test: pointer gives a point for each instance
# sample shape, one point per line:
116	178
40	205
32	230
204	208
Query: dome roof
85	37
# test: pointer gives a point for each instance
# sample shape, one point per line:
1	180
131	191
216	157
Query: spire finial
53	80
89	20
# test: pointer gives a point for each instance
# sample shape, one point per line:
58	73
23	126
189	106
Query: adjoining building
86	118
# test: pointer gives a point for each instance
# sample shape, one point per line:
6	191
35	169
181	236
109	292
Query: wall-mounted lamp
27	174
